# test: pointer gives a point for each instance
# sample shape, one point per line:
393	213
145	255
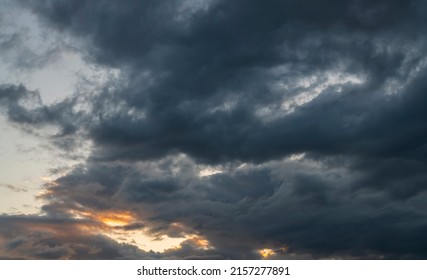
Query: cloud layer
287	124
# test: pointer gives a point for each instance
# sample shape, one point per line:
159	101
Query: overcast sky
213	129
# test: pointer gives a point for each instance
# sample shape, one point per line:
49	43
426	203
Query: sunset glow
265	253
115	219
200	242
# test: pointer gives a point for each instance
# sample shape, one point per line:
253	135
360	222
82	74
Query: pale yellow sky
21	165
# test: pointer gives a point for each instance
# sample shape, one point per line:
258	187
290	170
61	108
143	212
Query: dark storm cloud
312	209
324	101
184	68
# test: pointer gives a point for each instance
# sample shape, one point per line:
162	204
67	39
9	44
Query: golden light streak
200	242
111	224
108	218
265	253
115	219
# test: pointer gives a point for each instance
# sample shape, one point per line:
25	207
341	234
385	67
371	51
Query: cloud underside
298	126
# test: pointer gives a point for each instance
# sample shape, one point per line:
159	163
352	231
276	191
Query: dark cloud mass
255	124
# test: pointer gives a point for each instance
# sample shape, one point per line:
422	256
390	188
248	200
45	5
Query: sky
213	129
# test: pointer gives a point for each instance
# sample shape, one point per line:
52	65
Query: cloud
231	68
31	237
35	237
23	47
314	209
312	112
13	188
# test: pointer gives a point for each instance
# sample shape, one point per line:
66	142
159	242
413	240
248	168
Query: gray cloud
311	208
190	85
313	110
23	47
13	188
35	237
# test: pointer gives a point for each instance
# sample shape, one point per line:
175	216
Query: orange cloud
200	242
265	253
110	218
115	218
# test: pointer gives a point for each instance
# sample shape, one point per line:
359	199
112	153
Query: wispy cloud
13	188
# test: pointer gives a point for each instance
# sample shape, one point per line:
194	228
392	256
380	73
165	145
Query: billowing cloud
291	128
42	237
